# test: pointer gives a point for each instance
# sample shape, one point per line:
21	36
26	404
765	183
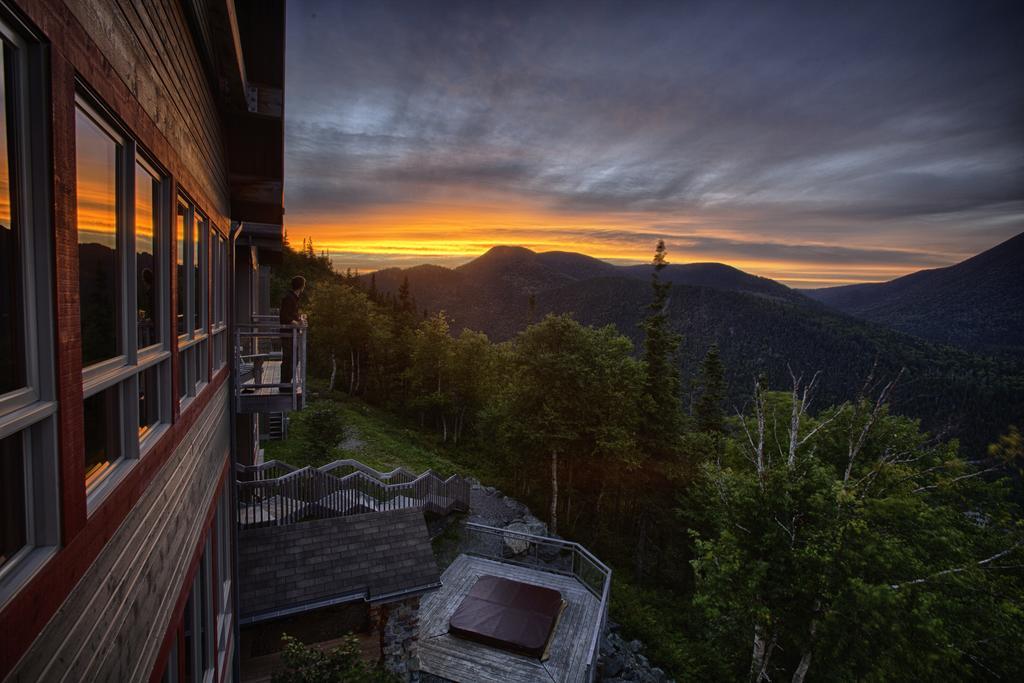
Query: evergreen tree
406	303
709	414
662	420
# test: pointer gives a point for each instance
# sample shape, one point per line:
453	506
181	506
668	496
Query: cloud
894	129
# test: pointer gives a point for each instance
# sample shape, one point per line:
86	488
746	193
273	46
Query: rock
537	527
486	521
473	482
635	646
613	666
490	490
516	544
659	674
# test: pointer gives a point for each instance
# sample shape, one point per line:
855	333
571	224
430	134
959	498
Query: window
123	291
13	532
147	250
29	500
171	665
218	328
193	231
223	527
100	287
198	625
103	443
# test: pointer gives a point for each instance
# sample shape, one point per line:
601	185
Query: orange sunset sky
761	137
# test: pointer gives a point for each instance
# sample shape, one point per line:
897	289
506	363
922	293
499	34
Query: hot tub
510	615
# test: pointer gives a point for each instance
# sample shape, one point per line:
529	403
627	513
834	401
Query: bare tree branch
956	479
958	570
856	446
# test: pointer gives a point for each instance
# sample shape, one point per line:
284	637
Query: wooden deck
467	662
267	399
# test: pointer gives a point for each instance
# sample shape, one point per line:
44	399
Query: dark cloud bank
891	130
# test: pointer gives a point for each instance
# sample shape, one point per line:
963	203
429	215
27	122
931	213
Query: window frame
30	411
194	342
105	372
219	296
123	371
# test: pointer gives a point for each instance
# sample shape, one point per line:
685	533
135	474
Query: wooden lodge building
140	196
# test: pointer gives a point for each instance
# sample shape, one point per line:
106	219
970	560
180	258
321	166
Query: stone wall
399	626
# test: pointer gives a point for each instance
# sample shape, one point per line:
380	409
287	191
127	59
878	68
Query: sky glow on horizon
796	142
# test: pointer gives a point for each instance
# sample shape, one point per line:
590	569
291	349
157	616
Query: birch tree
848	545
574	398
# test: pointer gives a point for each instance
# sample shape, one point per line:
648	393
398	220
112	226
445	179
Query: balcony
569	568
265	352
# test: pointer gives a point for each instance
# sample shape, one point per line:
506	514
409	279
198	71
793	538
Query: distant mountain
977	304
492	292
761	326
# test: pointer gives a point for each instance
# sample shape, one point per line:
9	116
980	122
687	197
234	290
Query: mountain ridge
762	327
976	304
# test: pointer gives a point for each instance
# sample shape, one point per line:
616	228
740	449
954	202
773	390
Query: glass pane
182	233
147	196
198	272
206	614
102	436
149	399
13	536
171	667
183	360
12	326
199	354
96	158
189	621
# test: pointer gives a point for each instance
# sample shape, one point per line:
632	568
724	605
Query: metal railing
275	493
263	342
550	555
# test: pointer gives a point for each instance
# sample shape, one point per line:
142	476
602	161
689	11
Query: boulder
516	545
613	666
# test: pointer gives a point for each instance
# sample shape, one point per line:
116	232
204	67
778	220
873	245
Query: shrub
317	430
342	664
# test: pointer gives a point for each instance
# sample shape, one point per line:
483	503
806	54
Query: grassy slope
389	442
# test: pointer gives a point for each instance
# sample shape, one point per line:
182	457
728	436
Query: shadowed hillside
977	304
760	325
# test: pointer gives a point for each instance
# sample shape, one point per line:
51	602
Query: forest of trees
775	539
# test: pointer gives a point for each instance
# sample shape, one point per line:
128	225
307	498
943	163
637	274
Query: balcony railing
265	352
276	493
550	555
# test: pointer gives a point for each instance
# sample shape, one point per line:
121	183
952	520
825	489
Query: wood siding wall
150	48
100	607
112	625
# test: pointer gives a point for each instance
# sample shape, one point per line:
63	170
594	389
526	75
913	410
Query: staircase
277	426
276	493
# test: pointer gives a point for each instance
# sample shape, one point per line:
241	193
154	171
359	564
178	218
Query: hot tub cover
508	614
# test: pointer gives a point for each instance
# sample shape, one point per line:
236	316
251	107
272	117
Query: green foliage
574	390
879	574
708	411
342	664
316	431
892	559
662	411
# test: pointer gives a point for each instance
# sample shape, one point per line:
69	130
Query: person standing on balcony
290	315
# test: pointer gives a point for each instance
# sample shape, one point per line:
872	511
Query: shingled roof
295	568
